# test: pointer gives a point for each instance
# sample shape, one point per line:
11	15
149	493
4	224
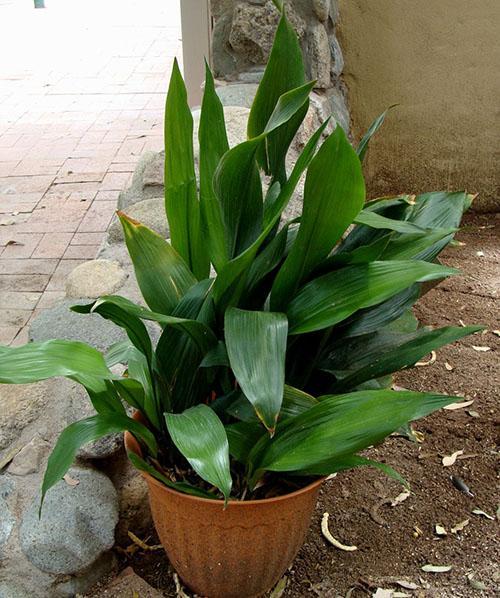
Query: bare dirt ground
395	542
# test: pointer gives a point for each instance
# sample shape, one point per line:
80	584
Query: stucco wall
440	60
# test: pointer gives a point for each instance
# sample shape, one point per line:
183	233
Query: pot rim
132	445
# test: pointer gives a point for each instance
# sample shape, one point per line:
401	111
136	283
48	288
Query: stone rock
237	94
334	10
319	56
103	448
62	323
322	9
136	192
337	57
253	27
76	527
95	278
127	584
252	75
79	584
236	118
21	405
150	212
7	523
338	108
224	61
29	458
14	589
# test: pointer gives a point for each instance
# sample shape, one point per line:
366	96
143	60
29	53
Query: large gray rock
29	459
62	323
322	9
338	108
337	57
7	522
76	527
236	118
319	56
253	27
237	94
150	212
76	585
104	448
136	189
95	278
15	589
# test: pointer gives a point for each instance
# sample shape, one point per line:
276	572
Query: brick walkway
82	88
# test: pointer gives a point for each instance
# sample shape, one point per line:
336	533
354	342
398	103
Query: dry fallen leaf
461	405
436	568
449	460
326	533
279	588
461	322
449	367
459	526
496	332
70	481
382	593
142	544
407	585
440	531
480	349
473	413
428	362
480	253
400	498
481	513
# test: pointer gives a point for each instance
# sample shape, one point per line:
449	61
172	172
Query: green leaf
375	220
161	273
366	357
229	284
237	181
142	465
213	145
89	430
181	202
341	425
200	436
334	193
333	297
374	127
242	437
40	361
256	345
284	71
350	462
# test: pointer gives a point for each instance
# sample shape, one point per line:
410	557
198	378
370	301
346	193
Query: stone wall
243	35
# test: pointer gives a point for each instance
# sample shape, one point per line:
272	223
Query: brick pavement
82	87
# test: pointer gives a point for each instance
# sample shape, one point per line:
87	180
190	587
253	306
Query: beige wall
440	60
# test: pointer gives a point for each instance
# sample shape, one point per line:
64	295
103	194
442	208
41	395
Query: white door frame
196	35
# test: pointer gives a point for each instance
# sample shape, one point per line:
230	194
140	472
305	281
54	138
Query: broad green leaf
373	128
131	391
198	331
350	462
296	401
142	465
230	282
213	145
242	437
256	345
375	220
102	393
284	71
237	181
40	361
118	353
140	369
85	431
366	357
182	379
181	201
334	193
113	310
418	247
341	425
333	297
200	436
162	275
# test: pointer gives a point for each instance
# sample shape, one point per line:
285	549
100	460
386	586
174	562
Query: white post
196	35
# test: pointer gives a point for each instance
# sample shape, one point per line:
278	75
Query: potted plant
273	369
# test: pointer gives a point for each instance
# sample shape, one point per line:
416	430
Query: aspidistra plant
278	338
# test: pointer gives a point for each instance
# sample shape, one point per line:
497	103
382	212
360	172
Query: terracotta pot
241	551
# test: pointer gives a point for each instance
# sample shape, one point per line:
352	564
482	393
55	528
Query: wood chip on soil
459	405
459	526
480	349
400	498
481	513
333	541
430	361
440	530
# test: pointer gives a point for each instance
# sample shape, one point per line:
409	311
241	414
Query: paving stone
95	278
76	526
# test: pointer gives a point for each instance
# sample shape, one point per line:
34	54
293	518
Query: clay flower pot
241	551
